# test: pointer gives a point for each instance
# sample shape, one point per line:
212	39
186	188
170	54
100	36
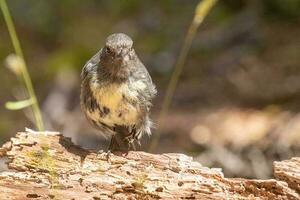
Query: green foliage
284	9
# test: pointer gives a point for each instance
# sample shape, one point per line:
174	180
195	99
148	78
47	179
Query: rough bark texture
49	166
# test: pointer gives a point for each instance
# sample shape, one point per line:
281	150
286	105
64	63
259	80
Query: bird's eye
108	50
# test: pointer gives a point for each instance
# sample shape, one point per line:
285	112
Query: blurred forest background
237	102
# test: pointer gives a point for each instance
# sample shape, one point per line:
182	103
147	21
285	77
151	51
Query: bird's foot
130	141
107	154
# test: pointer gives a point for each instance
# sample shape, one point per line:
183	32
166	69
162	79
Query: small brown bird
116	93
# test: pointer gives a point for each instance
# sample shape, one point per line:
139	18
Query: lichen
41	160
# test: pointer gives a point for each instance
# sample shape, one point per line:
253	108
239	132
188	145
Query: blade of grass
25	74
18	105
201	12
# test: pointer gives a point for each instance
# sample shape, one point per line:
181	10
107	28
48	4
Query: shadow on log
47	165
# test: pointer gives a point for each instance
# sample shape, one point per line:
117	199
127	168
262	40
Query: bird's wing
141	74
90	65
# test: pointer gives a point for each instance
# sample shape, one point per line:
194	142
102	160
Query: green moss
43	161
139	182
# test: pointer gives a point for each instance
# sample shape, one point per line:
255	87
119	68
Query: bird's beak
123	55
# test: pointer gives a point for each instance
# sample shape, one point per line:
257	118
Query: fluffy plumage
116	93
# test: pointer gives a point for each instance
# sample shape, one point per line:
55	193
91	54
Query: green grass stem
25	74
201	12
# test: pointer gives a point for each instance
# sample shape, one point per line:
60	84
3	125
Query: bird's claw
108	154
130	140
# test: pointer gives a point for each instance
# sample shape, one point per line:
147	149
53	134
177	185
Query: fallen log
47	165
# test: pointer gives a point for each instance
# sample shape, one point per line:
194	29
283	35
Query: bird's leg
118	143
130	141
111	144
108	154
133	147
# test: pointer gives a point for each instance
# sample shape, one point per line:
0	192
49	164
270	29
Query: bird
117	93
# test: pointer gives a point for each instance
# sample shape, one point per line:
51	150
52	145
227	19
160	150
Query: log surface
47	165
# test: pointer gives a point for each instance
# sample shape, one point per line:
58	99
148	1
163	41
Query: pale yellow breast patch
111	96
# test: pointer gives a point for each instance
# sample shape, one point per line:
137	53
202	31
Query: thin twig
201	12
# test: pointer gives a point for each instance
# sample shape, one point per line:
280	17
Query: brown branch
46	165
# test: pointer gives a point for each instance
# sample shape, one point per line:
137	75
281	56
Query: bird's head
117	49
118	44
117	53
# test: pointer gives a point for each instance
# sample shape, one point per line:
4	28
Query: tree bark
47	165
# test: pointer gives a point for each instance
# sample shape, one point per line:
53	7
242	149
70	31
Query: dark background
237	102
